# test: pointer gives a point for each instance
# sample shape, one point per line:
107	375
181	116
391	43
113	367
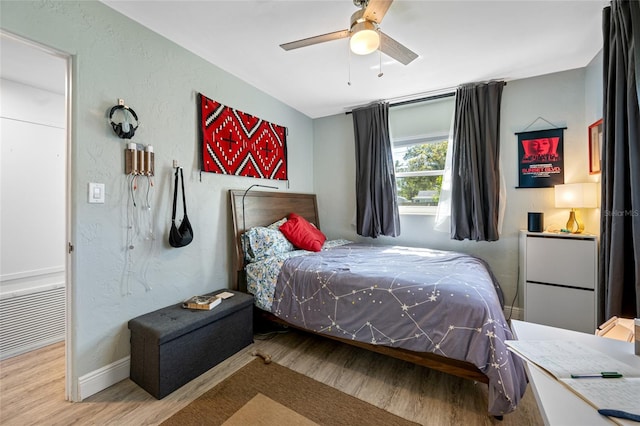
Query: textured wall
594	106
114	57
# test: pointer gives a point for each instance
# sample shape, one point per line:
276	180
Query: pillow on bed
261	242
302	233
278	224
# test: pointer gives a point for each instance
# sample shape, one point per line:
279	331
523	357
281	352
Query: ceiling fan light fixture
365	38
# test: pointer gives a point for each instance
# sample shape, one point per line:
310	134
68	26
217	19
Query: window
419	165
420	137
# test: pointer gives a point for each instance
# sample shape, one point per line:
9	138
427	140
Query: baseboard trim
513	312
102	378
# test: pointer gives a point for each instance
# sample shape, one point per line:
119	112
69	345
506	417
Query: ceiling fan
365	36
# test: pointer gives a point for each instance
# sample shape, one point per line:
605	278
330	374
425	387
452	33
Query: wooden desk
558	405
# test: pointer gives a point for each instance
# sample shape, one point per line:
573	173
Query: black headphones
123	130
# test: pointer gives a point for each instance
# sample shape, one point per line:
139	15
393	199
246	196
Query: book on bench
202	302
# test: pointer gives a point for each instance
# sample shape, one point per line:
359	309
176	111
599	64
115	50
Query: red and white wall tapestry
236	143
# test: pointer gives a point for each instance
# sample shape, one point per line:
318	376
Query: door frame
71	391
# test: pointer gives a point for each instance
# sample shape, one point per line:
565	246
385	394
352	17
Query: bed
438	309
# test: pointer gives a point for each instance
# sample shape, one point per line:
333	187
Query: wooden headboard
262	208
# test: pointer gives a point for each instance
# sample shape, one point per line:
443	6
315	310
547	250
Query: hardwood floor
32	387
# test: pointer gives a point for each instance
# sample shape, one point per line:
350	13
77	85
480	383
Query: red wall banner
236	143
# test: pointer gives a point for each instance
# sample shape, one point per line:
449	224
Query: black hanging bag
183	235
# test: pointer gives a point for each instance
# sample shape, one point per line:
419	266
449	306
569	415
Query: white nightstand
560	274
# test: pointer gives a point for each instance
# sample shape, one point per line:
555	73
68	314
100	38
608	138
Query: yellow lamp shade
577	195
574	196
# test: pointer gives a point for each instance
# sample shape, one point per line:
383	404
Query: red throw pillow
302	234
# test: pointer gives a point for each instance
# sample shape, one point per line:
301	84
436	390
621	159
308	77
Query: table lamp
575	196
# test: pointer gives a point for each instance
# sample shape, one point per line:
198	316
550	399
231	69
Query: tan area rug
261	410
270	394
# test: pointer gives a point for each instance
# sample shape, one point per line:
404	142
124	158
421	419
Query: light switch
96	193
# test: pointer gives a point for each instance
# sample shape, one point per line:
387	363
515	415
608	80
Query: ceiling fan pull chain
349	81
380	74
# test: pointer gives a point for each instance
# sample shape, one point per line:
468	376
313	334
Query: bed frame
261	208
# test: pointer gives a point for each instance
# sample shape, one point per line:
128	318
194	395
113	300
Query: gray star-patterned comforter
418	299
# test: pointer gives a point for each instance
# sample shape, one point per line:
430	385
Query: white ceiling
457	42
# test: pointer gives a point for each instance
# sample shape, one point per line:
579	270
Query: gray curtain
376	195
475	178
620	219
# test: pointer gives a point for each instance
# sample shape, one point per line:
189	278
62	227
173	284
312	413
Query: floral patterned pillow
276	225
261	242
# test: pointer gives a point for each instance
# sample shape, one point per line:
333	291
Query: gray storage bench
173	345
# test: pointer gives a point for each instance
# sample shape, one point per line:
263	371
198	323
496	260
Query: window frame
419	140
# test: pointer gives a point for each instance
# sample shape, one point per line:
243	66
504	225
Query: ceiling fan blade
315	40
396	50
376	9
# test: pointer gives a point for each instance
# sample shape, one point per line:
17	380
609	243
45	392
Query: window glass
419	134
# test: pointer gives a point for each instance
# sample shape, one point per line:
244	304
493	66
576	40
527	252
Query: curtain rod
426	98
414	101
447	93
